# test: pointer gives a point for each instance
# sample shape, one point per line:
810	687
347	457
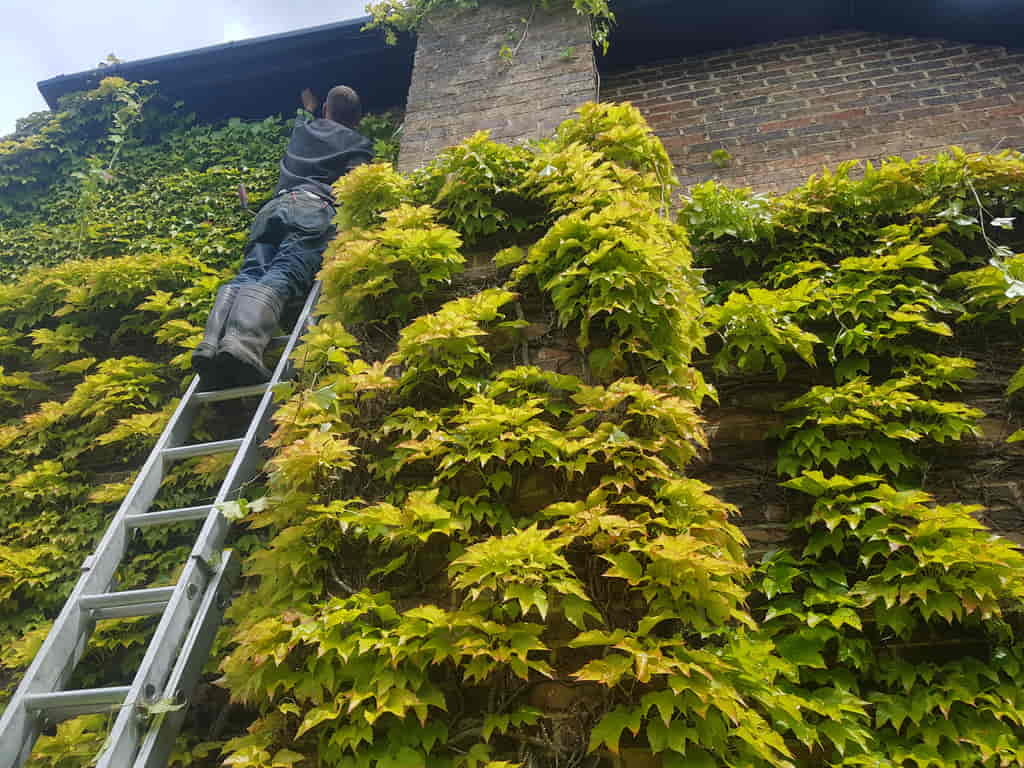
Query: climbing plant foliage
882	297
397	16
119	218
502	563
483	538
498	555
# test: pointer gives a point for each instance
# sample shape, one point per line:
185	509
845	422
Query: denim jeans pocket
310	215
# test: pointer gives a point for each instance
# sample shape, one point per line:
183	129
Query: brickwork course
786	109
460	83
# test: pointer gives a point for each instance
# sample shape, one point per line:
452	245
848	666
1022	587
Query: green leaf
801	650
607	671
576	608
163	706
609	729
232	510
624	566
286	758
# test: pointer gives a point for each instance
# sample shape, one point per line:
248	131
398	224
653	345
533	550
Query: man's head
342	106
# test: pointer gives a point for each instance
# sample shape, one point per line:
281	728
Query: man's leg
253	320
289	275
264	235
309	228
294	267
258	308
258	256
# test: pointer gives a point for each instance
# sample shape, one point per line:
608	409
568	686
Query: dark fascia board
221	63
647	30
990	22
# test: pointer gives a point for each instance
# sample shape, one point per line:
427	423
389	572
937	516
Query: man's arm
310	105
309	101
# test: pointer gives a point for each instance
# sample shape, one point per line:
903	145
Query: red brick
783	109
848	114
780	125
1009	109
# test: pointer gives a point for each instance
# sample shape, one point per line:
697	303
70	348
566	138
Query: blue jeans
286	244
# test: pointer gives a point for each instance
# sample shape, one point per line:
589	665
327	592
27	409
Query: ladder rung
278	341
167	516
66	704
235	393
201	449
130	602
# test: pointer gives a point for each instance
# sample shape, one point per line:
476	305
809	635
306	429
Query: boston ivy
481	541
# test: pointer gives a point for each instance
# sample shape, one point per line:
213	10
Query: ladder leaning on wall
145	728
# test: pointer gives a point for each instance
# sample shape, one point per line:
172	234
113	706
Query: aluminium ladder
191	610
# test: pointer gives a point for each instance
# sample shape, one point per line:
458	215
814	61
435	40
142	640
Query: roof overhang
652	29
262	76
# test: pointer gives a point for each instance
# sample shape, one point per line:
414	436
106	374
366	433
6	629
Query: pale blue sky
43	38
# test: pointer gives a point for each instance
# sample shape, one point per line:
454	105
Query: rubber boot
205	354
250	326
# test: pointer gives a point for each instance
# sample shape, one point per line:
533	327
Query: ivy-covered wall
119	217
483	539
491	562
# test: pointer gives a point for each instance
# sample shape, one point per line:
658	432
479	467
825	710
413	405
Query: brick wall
461	85
785	109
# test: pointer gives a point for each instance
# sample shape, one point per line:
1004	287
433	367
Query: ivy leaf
665	701
1016	381
607	671
286	758
232	510
500	479
609	730
318	715
845	616
801	650
163	706
576	608
406	757
624	566
597	637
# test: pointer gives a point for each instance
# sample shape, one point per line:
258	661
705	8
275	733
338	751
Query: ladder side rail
126	734
159	740
67	638
150	680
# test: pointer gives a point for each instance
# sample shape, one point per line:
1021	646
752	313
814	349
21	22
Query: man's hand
309	101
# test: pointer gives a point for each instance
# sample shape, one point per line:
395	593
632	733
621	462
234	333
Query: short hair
343	106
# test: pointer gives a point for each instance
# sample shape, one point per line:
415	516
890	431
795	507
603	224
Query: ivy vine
483	539
396	16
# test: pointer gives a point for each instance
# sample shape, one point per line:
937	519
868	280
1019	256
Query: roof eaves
55	87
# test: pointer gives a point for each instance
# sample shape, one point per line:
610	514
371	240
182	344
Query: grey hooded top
320	152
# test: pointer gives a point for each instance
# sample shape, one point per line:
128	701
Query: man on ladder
286	242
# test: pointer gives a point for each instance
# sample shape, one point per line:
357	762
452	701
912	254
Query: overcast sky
43	38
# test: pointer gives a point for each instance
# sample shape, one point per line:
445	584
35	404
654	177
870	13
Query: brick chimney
461	83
